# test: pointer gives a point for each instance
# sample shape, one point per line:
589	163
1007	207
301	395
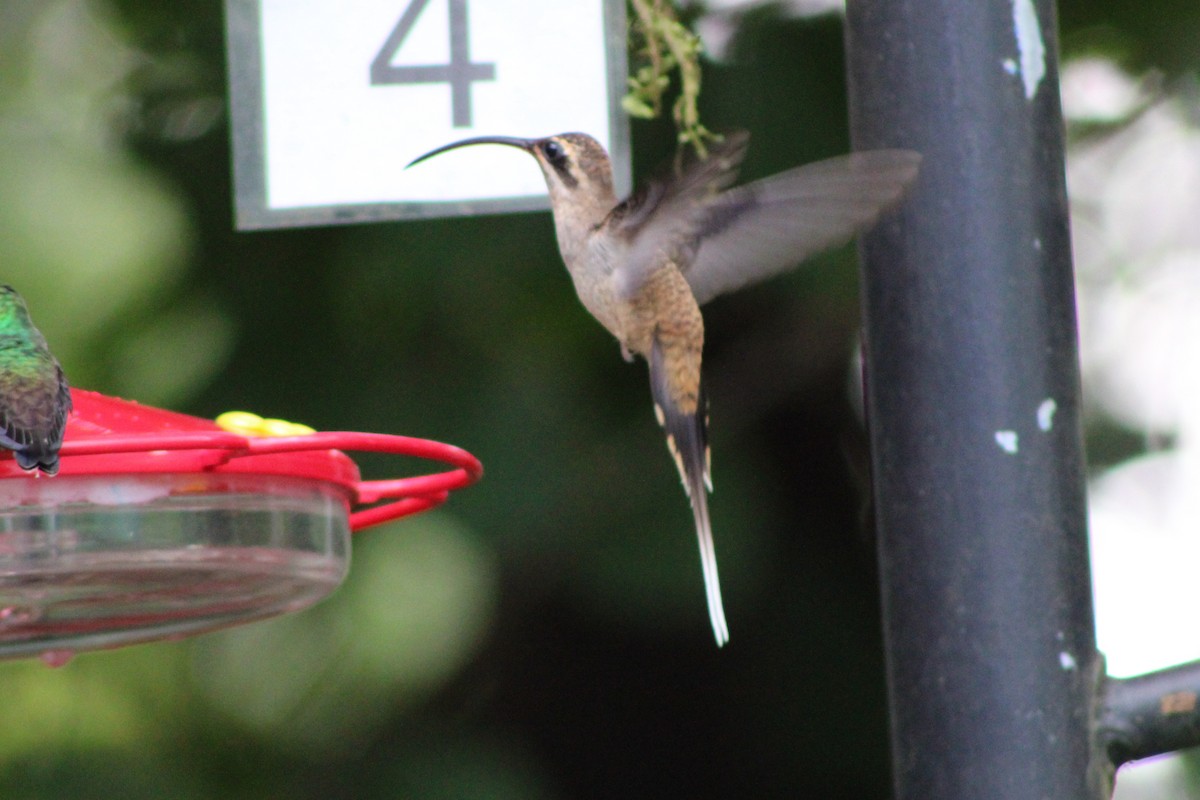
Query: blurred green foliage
543	636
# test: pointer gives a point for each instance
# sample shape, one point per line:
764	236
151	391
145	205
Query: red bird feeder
160	524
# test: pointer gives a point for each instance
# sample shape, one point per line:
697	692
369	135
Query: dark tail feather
32	451
47	463
687	439
37	458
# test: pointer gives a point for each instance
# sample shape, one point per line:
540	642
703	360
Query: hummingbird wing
34	405
665	216
752	232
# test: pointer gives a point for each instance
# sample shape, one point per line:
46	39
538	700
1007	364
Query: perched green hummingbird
34	396
643	266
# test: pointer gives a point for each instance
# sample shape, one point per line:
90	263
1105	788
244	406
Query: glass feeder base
92	562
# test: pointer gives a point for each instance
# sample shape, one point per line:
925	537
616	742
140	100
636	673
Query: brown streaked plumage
644	266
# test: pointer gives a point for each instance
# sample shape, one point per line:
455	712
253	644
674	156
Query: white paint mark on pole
1045	414
1030	45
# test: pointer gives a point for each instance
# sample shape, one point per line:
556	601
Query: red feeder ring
160	524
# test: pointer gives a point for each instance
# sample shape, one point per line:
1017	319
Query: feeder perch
162	525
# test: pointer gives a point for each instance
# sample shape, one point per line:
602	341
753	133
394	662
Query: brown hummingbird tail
687	439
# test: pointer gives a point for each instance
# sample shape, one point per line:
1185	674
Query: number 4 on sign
460	72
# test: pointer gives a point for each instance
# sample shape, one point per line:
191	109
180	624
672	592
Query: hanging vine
666	46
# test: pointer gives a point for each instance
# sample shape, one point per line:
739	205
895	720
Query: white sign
331	99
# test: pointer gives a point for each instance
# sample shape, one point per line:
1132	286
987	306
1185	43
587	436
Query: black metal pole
974	405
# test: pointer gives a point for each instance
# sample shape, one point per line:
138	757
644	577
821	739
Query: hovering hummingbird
644	266
34	396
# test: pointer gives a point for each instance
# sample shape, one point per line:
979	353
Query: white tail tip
708	562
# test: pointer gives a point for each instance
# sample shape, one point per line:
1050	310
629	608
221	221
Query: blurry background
545	635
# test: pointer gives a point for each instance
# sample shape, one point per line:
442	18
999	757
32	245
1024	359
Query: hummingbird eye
553	151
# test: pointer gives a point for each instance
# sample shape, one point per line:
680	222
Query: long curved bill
511	141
